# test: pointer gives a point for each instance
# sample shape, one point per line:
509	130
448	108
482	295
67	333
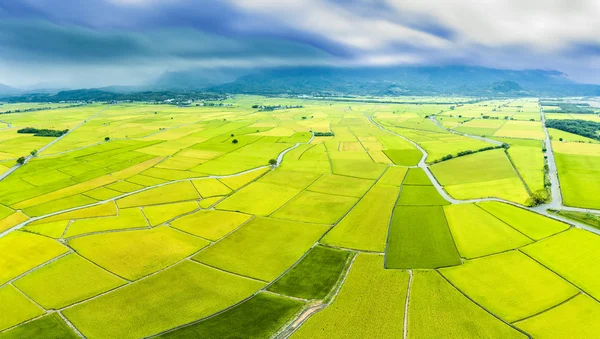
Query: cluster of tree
565	107
269	108
588	129
324	134
42	132
467	152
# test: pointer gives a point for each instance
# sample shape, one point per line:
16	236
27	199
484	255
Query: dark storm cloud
149	36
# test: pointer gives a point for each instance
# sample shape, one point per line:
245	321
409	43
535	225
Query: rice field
179	226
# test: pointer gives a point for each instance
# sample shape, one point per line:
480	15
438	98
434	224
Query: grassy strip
583	217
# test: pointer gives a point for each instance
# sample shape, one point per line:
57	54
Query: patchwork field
346	218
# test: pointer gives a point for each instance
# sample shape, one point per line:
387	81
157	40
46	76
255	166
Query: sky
94	43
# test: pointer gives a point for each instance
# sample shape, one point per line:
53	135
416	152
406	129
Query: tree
33	153
560	139
538	197
232	134
272	162
234	141
21	160
107	139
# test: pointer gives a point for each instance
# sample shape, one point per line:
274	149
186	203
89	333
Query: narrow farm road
17	166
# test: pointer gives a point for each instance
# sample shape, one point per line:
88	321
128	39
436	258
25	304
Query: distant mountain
7	90
395	81
196	79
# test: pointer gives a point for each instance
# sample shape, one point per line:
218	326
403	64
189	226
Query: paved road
17	166
556	202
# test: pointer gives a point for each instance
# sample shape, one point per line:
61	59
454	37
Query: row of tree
42	132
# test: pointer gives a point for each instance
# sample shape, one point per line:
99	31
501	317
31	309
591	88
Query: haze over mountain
155	43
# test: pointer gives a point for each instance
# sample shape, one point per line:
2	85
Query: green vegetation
67	281
316	208
365	227
583	217
173	297
531	224
421	196
263	248
314	276
572	255
135	254
510	285
42	132
419	238
463	177
565	107
15	307
24	251
212	224
258	317
50	326
148	220
438	310
478	233
369	305
341	185
585	128
577	318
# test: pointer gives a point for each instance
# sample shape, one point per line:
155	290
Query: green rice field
378	219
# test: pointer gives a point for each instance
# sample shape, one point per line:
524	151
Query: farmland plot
176	296
263	248
135	254
437	309
369	305
572	255
510	285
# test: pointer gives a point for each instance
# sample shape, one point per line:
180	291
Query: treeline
38	109
105	96
565	107
264	108
42	132
588	129
467	152
324	134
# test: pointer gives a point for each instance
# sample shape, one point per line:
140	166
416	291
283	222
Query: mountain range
337	81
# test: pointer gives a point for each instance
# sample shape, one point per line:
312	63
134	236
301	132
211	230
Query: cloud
139	39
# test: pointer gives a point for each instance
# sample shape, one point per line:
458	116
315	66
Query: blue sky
74	43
